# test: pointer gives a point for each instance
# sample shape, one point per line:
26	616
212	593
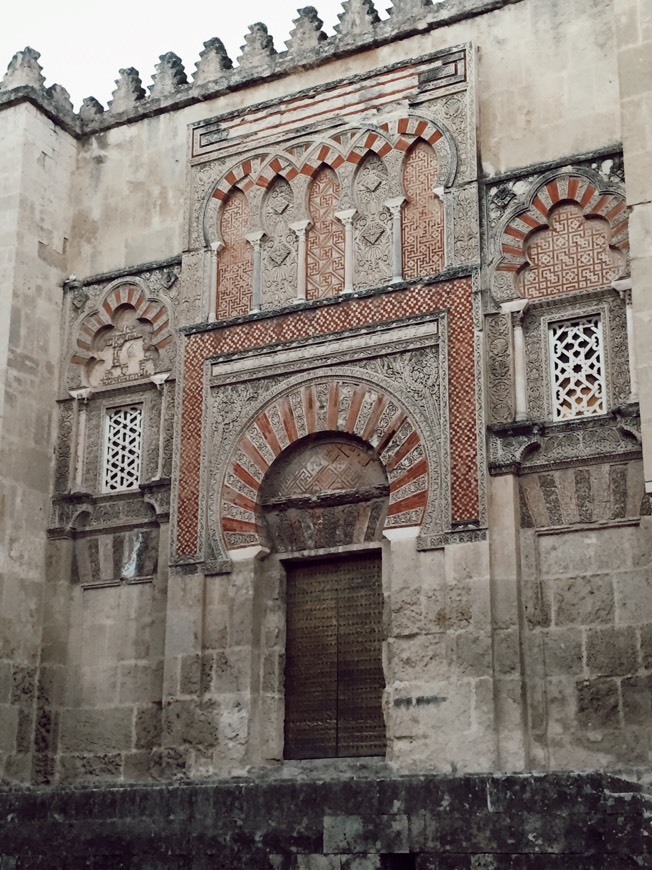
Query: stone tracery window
325	246
577	367
423	215
235	261
123	448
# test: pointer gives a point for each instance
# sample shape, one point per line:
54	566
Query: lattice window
577	368
124	439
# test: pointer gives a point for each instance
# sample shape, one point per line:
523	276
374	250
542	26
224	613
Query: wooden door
333	674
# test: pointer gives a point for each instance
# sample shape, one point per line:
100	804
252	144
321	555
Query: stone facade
381	293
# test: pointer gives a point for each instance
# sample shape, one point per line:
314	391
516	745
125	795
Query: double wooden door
333	674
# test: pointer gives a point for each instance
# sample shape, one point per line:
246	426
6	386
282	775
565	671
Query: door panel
334	677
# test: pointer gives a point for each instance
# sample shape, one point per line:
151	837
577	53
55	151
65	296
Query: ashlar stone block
611	651
583	600
598	703
633	597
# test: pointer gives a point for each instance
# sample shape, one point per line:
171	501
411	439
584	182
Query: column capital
623	287
394	204
255	238
346	216
159	378
300	227
82	394
516	308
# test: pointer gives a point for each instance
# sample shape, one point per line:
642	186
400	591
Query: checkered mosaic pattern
454	297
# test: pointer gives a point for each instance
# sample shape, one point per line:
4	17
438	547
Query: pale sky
84	44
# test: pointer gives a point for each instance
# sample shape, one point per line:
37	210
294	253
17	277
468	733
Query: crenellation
307	35
61	99
213	63
406	10
128	93
24	70
170	75
359	26
258	50
356	20
90	110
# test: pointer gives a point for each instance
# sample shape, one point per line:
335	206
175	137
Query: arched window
325	248
235	261
423	214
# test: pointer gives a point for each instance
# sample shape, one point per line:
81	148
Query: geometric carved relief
572	254
423	214
372	228
572	236
279	246
235	260
323	492
577	368
325	407
454	297
325	245
121	341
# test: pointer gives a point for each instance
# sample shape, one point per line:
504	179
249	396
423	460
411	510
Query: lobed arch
260	170
126	294
592	201
278	165
407	130
368	141
322	154
364	411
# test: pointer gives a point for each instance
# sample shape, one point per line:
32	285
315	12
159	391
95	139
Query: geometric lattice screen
577	368
124	438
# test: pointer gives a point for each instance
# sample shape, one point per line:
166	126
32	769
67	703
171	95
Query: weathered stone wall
587	602
634	35
36	163
373	822
517	621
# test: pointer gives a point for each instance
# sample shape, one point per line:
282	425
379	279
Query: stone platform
333	822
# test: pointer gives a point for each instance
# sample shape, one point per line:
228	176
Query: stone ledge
251	821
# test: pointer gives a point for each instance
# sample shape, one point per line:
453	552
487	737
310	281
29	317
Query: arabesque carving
127	338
